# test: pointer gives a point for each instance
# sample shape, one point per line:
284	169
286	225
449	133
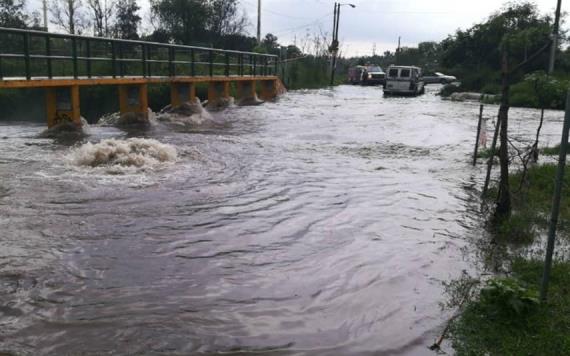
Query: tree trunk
504	198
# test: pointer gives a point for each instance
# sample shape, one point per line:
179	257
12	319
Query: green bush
523	95
540	90
508	295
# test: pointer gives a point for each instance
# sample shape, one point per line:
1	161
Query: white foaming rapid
190	115
123	156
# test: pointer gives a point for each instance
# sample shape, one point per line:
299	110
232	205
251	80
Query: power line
273	12
318	21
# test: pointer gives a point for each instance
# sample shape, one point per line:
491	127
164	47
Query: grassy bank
505	316
532	201
508	320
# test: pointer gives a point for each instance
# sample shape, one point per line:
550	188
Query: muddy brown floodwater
322	224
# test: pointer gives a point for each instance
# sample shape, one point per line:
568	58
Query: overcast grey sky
372	22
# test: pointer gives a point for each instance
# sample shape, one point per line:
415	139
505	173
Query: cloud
378	22
375	21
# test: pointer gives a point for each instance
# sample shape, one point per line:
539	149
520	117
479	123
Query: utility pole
398	49
45	15
258	21
71	13
555	32
334	45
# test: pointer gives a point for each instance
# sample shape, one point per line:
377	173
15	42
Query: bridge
62	63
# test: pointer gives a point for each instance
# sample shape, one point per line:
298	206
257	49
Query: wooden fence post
478	134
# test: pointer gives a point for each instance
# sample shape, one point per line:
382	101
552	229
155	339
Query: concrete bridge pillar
63	106
133	104
219	94
269	89
181	93
246	91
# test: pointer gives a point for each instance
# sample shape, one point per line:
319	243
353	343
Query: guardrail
38	55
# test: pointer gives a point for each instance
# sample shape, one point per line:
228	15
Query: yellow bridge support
133	103
269	89
246	90
62	95
218	94
63	105
181	93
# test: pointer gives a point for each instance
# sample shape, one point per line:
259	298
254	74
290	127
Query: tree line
210	23
474	55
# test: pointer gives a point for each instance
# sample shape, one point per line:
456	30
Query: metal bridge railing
27	54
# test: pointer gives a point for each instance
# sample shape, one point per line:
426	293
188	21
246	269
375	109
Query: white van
404	80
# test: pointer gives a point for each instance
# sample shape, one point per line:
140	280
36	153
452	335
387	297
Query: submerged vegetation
531	204
486	153
505	317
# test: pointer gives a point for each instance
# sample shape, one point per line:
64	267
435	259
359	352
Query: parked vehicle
355	74
366	75
404	80
439	78
374	75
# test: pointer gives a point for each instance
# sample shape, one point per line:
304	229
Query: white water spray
121	156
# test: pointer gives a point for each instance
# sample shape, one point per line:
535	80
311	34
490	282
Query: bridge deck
44	82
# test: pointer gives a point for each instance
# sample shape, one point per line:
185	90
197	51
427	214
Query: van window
405	73
393	73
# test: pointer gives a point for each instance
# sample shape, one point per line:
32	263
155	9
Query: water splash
67	131
188	115
120	156
126	120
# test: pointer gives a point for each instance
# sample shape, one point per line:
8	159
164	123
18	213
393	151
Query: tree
293	52
225	19
12	14
102	13
216	22
184	20
475	54
68	15
429	54
269	44
128	19
517	39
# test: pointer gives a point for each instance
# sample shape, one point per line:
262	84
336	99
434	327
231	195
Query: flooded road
322	224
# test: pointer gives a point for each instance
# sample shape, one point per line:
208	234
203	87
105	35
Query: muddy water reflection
321	224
